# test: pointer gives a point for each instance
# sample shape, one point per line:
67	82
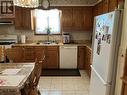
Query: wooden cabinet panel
39	53
26	15
112	5
67	18
77	19
81	57
105	6
22	18
18	18
52	57
95	10
29	54
88	60
100	8
87	18
19	55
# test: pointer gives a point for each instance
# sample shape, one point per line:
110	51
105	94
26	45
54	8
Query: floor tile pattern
65	85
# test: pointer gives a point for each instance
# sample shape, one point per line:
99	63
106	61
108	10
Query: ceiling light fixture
26	3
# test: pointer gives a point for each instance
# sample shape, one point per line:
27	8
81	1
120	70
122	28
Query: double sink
45	43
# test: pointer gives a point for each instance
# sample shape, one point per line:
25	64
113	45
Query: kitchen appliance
6	21
23	39
66	38
68	57
106	40
6	41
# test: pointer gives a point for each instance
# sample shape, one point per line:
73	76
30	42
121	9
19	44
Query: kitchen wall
122	51
75	36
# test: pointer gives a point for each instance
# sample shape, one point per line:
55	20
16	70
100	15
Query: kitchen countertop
54	44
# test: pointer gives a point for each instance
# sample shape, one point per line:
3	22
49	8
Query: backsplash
30	37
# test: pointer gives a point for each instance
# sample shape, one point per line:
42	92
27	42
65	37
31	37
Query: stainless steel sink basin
47	42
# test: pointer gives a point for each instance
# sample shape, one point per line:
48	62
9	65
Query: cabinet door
105	6
88	61
81	57
26	16
18	18
95	10
22	18
77	19
19	54
39	53
100	8
29	55
87	17
112	5
67	18
52	57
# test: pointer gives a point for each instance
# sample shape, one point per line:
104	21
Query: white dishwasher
68	57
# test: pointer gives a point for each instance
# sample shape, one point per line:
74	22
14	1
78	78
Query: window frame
61	29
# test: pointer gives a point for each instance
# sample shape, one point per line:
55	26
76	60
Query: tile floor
65	85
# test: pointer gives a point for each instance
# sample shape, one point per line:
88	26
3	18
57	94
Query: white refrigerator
106	40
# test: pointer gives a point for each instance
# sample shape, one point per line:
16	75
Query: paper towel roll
23	39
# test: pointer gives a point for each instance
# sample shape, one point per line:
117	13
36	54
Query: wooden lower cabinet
88	60
28	53
31	53
84	58
52	57
19	55
81	57
39	53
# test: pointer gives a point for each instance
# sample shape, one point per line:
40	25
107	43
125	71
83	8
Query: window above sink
47	21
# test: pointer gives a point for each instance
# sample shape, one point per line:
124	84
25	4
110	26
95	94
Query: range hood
6	21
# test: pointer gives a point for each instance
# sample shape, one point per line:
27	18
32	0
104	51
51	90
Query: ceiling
73	2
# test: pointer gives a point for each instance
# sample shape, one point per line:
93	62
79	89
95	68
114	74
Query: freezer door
97	86
105	44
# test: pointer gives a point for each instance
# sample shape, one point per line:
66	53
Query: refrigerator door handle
106	84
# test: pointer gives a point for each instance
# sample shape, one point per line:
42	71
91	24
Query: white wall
122	51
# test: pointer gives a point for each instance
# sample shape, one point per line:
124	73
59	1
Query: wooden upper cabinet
105	6
52	57
95	10
18	18
77	19
67	18
113	4
87	18
100	8
22	18
26	15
